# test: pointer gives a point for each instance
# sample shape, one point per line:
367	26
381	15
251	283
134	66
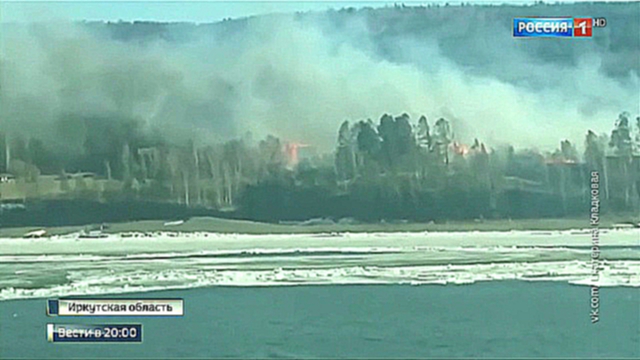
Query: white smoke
297	81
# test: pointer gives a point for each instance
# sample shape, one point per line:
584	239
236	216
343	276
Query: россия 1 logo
556	26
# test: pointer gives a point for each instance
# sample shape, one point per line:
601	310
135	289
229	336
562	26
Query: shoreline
210	243
158	293
230	226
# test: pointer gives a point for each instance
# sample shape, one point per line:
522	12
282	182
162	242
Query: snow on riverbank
130	243
136	262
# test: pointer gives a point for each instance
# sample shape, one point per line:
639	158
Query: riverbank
229	226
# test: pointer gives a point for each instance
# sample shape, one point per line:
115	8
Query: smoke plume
300	77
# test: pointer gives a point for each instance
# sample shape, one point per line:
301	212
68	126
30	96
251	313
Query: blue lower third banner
94	333
543	27
115	307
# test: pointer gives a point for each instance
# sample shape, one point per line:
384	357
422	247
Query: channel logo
556	27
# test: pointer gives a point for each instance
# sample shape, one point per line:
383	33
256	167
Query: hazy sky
198	11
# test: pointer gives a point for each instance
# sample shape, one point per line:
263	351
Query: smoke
296	79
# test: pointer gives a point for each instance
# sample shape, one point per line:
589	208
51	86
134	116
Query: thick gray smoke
297	79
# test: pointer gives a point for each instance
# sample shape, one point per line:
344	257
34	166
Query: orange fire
460	149
291	149
464	150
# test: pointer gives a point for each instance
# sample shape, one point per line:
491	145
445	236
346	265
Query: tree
368	139
621	136
369	147
442	138
423	136
40	156
405	141
637	142
272	155
622	145
594	152
568	151
5	151
388	135
345	157
594	157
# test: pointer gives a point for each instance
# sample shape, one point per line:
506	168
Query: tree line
392	169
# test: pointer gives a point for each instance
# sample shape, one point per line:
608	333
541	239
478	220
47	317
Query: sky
193	11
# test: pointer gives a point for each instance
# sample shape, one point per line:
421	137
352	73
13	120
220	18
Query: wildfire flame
291	150
464	150
460	149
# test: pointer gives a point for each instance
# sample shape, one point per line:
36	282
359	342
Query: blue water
495	319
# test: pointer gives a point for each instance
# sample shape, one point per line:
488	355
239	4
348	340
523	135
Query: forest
395	169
